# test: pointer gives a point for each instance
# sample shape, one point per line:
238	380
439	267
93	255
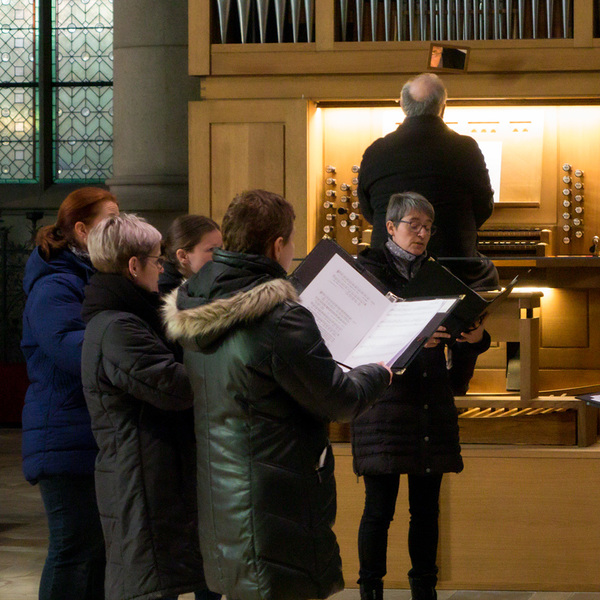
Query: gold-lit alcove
526	147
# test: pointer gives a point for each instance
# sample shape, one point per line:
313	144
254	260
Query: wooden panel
245	156
471	86
558	428
269	120
583	16
199	29
525	56
565	319
324	24
513	520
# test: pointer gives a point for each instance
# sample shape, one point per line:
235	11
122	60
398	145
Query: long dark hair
83	206
185	233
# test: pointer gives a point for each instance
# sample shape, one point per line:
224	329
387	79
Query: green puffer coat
265	387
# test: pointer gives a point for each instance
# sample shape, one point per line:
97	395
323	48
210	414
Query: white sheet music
396	330
358	323
345	305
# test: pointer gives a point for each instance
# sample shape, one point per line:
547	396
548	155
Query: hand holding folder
362	322
359	322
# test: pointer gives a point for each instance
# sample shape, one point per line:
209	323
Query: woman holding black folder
413	429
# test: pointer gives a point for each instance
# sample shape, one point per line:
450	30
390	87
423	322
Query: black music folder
359	320
435	280
591	399
343	295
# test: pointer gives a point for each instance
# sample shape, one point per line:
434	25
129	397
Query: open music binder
361	321
435	280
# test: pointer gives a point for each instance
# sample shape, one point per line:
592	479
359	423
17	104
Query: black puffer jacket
140	402
265	387
414	427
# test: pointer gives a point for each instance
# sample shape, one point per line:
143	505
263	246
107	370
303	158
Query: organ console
502	242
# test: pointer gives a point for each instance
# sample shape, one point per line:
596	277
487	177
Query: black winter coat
424	155
140	402
169	279
265	387
414	427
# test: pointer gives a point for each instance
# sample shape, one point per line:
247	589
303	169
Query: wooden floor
23	540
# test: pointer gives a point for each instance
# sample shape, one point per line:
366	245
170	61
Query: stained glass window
18	91
79	99
83	36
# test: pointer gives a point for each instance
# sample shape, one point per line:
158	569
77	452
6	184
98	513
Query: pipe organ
293	21
293	91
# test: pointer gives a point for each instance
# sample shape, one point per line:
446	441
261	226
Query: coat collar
200	326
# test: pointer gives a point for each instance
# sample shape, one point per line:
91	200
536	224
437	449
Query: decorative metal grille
18	91
83	37
83	146
81	91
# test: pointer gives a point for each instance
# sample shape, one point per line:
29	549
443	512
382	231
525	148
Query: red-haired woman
58	447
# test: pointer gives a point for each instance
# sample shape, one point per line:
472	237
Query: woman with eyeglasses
140	401
413	429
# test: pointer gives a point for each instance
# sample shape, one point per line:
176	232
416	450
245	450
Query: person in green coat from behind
265	388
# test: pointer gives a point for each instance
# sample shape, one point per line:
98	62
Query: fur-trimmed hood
202	325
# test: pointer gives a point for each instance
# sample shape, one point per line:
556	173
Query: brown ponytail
186	232
79	206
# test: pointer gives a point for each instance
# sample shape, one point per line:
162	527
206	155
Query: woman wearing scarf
413	429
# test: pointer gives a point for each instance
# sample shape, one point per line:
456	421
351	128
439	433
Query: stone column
151	93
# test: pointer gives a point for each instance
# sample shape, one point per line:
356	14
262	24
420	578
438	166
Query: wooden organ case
293	91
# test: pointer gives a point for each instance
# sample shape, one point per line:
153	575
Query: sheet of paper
396	330
345	305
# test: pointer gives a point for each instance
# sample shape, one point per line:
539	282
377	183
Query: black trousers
381	492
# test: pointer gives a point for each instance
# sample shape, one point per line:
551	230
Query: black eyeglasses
416	227
160	261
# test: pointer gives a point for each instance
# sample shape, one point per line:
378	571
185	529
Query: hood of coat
234	289
63	263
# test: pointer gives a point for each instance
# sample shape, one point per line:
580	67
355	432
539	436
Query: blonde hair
113	241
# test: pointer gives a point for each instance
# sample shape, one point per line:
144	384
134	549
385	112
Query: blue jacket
57	434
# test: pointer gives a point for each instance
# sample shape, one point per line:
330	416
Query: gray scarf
406	264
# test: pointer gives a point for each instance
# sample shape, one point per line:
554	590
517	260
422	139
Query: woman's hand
439	336
474	335
386	367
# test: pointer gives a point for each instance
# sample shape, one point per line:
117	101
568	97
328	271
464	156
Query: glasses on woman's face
160	261
416	226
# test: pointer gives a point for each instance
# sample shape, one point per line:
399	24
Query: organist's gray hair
425	94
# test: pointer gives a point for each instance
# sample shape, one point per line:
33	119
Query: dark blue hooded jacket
57	434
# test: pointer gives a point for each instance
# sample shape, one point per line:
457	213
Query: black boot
423	588
371	590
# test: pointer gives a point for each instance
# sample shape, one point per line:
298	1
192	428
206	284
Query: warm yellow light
545	290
